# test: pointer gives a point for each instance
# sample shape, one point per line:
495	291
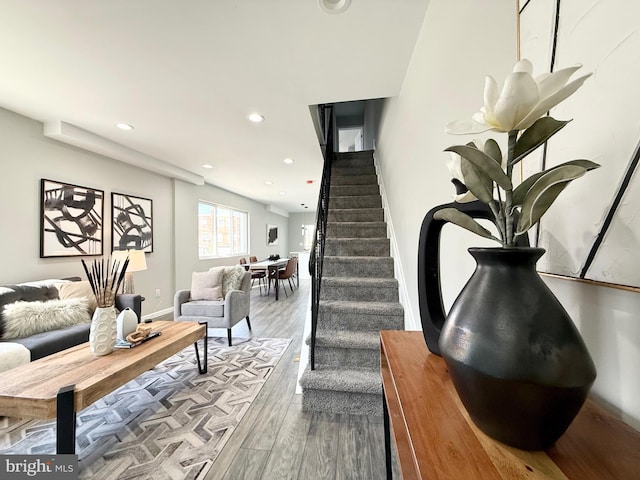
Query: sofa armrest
132	301
181	296
236	305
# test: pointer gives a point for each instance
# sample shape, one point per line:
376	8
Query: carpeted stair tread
355	380
359	282
356	214
351	201
364	340
356	229
351	190
371	247
357	170
351	180
362	308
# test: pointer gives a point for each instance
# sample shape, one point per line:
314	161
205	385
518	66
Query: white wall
460	42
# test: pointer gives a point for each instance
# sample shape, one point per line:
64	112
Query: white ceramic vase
102	334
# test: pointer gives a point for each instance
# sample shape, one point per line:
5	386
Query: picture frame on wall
131	222
272	235
70	220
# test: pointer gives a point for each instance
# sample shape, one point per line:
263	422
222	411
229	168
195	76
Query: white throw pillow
23	319
232	279
206	285
81	289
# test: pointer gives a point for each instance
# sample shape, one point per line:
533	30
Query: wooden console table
435	438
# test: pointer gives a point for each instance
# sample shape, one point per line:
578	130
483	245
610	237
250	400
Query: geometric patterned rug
169	423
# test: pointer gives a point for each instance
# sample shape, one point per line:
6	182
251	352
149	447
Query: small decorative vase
102	334
126	323
513	353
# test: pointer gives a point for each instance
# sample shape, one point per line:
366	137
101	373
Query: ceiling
186	74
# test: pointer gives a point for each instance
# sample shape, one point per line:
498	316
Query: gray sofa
217	313
46	343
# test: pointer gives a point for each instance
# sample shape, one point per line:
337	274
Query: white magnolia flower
455	169
522	101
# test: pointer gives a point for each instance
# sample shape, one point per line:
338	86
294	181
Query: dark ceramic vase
513	353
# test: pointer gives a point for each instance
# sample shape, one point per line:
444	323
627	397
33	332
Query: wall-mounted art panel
132	222
70	220
593	230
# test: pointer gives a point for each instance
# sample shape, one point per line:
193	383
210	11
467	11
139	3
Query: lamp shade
137	260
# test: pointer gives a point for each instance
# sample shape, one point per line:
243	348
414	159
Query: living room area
188	153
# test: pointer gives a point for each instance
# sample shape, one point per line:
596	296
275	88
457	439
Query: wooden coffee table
64	383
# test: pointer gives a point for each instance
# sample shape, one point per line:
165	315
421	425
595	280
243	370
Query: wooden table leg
66	421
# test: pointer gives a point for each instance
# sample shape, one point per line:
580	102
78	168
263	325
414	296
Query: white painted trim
409	318
159	313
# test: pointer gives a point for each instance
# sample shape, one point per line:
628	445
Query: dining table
270	266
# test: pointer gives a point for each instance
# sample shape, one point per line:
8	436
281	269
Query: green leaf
463	220
544	192
476	181
534	136
492	149
521	190
483	161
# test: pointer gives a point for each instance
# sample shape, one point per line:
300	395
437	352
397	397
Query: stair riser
359	293
364	201
357	269
353	190
356	322
371	170
332	401
357	215
336	230
367	248
343	357
360	161
343	180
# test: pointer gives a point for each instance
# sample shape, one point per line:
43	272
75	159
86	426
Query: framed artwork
131	222
272	235
597	241
70	220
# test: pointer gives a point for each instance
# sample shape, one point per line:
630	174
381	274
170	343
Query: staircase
358	295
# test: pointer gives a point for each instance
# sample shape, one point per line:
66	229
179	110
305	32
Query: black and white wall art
272	235
592	232
132	222
70	220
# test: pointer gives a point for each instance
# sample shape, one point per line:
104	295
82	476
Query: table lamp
137	263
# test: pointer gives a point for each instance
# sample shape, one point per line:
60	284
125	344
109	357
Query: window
222	231
308	233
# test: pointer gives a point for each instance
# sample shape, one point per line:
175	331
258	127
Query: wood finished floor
275	439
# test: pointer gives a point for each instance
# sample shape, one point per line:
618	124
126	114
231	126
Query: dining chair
285	274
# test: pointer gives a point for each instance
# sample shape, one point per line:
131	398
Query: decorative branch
105	280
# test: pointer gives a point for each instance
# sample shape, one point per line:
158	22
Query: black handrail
316	257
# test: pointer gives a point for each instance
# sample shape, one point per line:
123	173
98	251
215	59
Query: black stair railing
316	257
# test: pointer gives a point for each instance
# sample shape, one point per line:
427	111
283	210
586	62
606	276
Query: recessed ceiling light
268	182
283	193
334	6
288	161
124	126
206	165
256	117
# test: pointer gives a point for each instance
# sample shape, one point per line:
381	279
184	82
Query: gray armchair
217	313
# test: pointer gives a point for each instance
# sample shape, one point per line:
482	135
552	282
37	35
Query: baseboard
159	313
409	318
